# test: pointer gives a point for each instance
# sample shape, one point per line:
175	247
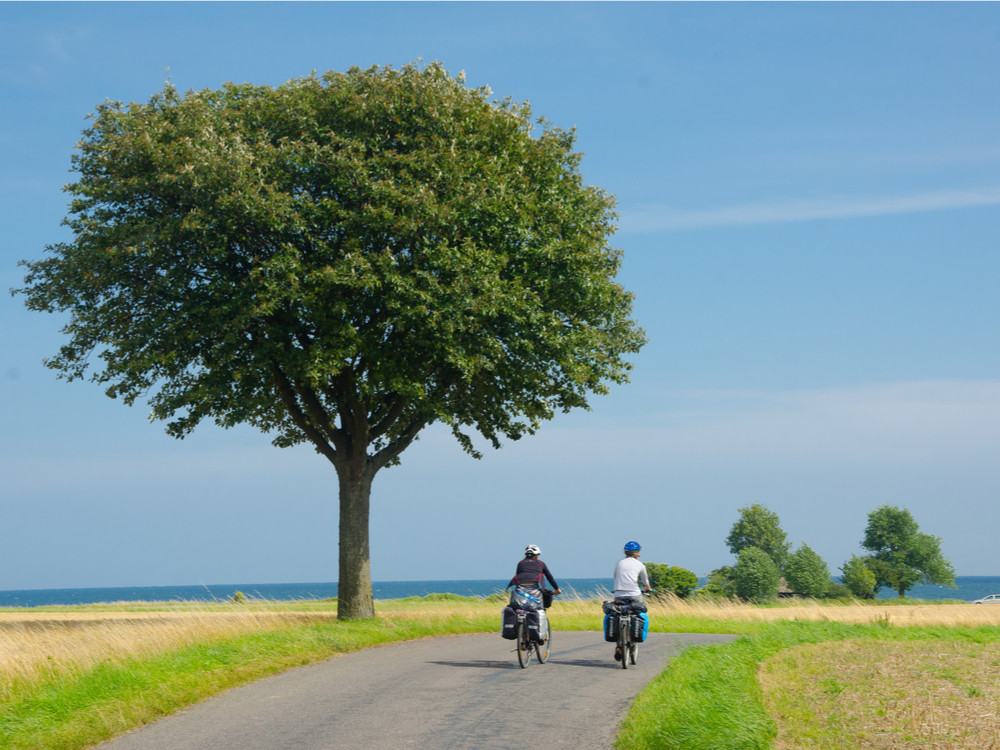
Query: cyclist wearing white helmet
531	571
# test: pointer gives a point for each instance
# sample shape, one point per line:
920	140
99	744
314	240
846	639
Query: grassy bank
857	677
73	677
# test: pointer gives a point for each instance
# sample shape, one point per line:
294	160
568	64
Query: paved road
452	693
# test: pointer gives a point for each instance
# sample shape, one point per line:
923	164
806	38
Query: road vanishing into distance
447	693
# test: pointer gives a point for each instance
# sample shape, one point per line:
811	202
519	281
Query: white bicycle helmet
532	550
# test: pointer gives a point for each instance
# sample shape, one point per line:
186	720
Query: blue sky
809	198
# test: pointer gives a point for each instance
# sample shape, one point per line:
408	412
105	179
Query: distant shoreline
968	588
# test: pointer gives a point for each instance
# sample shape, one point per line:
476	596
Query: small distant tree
759	527
902	556
720	582
755	576
806	573
837	590
858	578
679	581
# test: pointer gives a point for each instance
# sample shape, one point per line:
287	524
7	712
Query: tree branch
288	397
392	451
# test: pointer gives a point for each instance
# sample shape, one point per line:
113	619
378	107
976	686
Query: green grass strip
708	698
81	710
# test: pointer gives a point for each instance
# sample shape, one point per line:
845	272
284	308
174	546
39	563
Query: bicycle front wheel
542	649
523	645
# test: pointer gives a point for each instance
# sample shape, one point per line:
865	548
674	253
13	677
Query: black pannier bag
508	623
611	627
612	608
629	606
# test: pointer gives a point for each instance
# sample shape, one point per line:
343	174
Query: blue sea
584	587
968	589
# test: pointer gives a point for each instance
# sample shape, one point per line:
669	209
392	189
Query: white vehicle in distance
991	599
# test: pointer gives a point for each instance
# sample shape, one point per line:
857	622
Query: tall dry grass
572	611
37	646
874	694
856	613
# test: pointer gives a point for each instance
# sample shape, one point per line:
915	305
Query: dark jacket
530	572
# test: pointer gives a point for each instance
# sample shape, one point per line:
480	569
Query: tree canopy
759	527
341	261
902	556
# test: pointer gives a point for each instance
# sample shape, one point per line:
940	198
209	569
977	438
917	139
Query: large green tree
341	261
759	527
902	556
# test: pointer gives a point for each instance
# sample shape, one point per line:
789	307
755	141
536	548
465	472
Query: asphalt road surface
448	693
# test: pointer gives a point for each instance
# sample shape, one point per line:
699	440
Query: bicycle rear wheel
523	645
542	649
623	640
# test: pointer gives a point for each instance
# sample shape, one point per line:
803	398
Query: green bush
670	578
859	578
719	585
755	576
837	590
806	573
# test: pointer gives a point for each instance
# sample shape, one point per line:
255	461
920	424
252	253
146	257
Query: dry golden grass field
874	695
877	694
34	646
901	615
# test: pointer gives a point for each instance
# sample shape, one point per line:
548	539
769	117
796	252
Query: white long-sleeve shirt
629	573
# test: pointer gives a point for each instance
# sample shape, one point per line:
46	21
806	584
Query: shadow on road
476	664
554	661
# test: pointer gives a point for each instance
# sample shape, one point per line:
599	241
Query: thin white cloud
923	426
665	218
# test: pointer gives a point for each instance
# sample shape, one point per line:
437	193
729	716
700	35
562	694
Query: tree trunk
354	587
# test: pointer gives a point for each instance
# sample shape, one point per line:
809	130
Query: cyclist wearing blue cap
629	573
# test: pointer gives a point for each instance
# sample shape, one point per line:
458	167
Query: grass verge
785	685
79	697
73	677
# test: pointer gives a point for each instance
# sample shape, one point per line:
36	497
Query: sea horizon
968	588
